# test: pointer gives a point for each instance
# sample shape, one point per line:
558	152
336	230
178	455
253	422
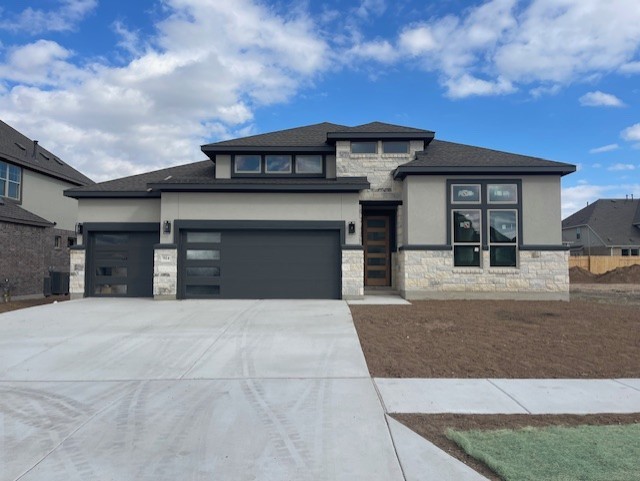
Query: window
503	237
57	242
625	252
465	194
395	147
364	147
502	193
278	164
484	216
71	241
467	237
10	179
247	164
308	164
578	233
635	252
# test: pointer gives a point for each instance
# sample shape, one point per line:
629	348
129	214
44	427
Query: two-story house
37	222
328	211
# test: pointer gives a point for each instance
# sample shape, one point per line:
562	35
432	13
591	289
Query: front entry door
377	257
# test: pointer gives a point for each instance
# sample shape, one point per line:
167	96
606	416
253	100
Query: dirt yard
434	426
13	305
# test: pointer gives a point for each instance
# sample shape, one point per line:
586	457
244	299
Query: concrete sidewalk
509	396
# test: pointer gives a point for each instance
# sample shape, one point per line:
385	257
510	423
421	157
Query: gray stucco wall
261	206
223	166
425	209
43	196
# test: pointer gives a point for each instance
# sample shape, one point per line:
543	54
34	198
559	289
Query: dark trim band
275	187
165	246
402	171
544	247
352	247
425	247
380	203
129	194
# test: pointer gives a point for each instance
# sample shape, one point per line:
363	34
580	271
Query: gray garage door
260	264
120	264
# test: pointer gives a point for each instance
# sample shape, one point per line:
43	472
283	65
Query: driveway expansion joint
509	395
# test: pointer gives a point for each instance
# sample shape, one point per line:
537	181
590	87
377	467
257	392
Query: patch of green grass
582	453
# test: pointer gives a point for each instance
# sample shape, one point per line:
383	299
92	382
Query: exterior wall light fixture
352	227
166	227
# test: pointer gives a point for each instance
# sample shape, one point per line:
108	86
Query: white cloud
622	167
575	198
199	79
604	148
632	133
600	99
631	67
545	44
379	50
467	85
36	21
371	7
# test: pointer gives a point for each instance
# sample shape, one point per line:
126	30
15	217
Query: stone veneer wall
378	169
165	273
541	275
77	273
352	274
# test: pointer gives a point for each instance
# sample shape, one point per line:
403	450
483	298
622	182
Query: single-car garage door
260	264
120	264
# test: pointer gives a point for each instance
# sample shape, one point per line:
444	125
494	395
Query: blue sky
117	88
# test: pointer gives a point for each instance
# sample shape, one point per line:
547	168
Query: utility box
59	283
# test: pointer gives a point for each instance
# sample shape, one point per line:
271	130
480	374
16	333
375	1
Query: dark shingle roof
308	136
19	149
611	219
383	128
138	183
441	157
10	211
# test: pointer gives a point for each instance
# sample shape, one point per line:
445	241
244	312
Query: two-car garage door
259	264
220	263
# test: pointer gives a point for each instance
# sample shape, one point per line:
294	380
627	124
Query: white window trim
235	164
7	182
310	173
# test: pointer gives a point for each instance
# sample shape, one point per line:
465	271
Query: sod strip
585	453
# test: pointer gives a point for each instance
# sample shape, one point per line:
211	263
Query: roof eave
96	194
249	187
402	171
333	136
230	149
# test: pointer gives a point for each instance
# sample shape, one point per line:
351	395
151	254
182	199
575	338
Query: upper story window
395	147
308	164
10	180
248	164
252	165
364	147
278	164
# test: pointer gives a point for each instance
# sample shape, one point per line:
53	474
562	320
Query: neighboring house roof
11	212
441	157
611	219
200	176
19	149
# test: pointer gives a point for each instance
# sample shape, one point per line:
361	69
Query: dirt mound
621	275
578	275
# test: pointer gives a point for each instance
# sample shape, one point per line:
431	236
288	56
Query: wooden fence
602	264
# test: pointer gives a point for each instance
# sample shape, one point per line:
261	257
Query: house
328	211
37	222
607	227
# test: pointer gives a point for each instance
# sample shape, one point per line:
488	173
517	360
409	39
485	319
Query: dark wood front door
377	257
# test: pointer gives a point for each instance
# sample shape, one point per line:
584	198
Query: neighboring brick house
328	211
607	227
37	222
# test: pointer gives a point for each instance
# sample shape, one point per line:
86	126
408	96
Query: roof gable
20	150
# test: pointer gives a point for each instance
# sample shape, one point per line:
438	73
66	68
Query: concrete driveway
134	389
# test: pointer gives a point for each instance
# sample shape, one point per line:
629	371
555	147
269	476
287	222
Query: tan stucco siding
43	196
425	208
119	210
541	210
223	166
262	206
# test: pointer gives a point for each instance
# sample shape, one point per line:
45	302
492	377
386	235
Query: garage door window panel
203	254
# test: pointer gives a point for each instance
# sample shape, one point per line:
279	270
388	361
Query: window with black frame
484	208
